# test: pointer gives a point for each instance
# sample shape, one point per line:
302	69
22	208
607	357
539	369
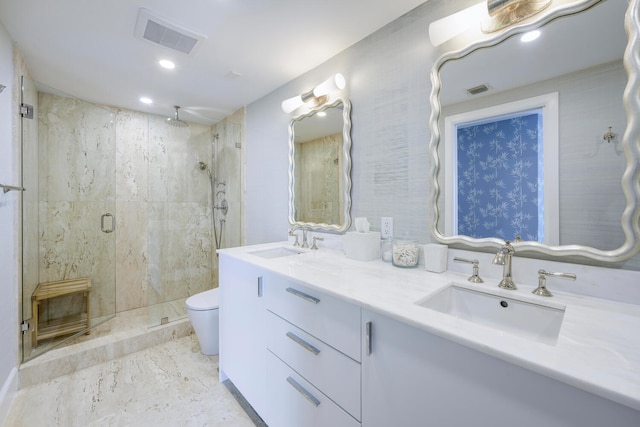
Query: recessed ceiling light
165	63
146	100
530	36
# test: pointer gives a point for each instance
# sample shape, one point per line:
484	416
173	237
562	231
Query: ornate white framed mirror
320	168
587	54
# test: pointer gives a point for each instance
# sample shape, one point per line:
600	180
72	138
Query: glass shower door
68	218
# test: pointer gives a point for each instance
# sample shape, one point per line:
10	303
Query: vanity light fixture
493	15
146	100
317	96
165	63
503	13
445	29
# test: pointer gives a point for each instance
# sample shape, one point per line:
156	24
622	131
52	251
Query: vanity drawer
334	321
335	374
294	402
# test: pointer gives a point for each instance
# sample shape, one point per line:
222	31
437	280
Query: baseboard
7	393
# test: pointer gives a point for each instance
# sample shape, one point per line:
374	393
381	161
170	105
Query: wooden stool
64	325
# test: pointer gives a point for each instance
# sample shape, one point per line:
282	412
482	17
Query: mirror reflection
320	168
589	84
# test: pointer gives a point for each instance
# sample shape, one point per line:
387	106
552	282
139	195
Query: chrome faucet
542	290
292	234
503	257
315	240
305	242
475	277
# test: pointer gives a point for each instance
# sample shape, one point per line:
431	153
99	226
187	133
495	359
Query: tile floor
169	384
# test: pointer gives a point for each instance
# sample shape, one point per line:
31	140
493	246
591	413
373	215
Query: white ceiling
568	44
87	48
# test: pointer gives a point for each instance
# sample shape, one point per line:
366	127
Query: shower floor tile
169	384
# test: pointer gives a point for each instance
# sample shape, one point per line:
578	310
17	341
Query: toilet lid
207	300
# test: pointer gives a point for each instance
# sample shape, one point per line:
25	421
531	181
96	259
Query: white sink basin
532	320
278	252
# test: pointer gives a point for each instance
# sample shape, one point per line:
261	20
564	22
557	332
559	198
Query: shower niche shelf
45	327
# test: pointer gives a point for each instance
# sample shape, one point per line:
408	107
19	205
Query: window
501	171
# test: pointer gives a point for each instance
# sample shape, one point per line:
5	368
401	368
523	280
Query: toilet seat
207	300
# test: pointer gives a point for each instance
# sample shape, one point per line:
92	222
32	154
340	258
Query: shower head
203	167
175	121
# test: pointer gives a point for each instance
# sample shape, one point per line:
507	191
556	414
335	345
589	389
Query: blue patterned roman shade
500	177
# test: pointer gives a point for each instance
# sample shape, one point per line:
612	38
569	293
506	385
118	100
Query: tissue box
362	246
435	257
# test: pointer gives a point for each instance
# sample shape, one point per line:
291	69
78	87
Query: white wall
9	232
388	81
388	85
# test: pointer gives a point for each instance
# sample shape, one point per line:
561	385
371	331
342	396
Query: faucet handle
475	278
315	239
542	290
305	242
292	234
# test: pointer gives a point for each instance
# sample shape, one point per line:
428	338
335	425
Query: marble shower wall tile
180	250
72	245
318	179
132	241
77	150
173	157
132	156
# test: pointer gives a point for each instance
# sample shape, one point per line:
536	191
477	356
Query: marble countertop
598	349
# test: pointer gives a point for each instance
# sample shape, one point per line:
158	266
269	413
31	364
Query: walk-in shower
124	204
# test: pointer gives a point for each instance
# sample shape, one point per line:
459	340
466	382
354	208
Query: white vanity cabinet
414	378
242	329
312	351
313	342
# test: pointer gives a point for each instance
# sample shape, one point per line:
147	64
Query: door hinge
26	111
25	326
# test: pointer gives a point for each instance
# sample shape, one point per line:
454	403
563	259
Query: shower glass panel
227	148
68	163
178	229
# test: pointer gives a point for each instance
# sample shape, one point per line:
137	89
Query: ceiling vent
477	89
157	30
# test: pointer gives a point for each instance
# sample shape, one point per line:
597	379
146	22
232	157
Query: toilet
203	310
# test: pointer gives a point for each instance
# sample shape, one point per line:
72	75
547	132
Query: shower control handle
102	223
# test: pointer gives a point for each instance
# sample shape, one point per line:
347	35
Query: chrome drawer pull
303	392
368	330
303	343
302	295
260	286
